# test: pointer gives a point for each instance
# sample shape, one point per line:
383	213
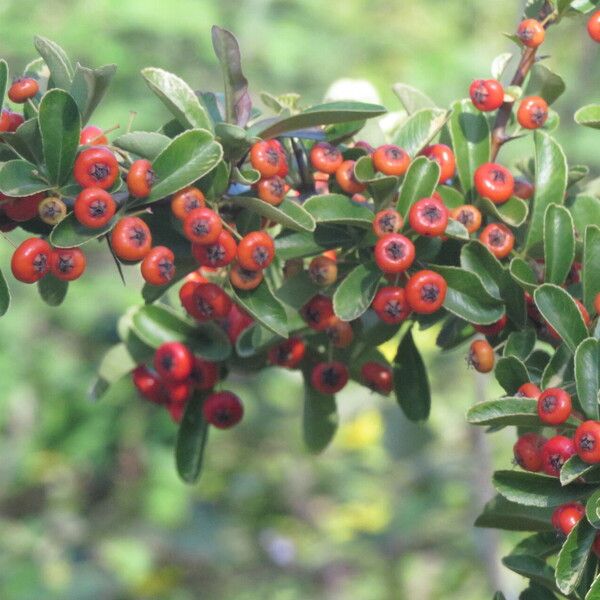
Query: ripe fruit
554	406
593	26
140	178
325	157
243	279
387	221
202	226
265	159
223	410
236	322
587	442
96	167
22	89
523	188
340	333
272	190
218	254
52	210
346	179
31	260
131	239
318	312
597	303
498	238
173	361
468	215
444	157
566	516
209	301
428	216
15	120
528	451
528	390
67	264
531	33
149	384
377	377
205	374
481	356
92	136
533	112
323	270
288	353
158	266
329	377
486	94
185	201
24	208
390	160
426	291
94	207
555	452
394	253
390	305
256	251
283	168
494	182
494	328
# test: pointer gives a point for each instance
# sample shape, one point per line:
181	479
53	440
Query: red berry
149	384
140	178
265	159
131	239
494	182
390	305
187	200
325	157
394	253
329	377
532	112
205	374
426	291
555	452
498	238
218	254
272	190
494	328
486	94
428	216
24	208
565	517
318	313
202	226
468	215
23	89
391	160
243	279
346	179
31	260
523	188
444	156
94	207
67	264
92	136
236	322
256	251
377	377
209	301
288	353
481	356
387	221
528	451
528	390
15	120
223	410
340	333
96	167
158	266
178	392
587	442
173	361
554	406
593	26
323	271
531	33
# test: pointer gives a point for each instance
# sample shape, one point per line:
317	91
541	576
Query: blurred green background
90	505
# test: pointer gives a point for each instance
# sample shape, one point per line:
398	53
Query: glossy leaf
145	144
4	295
545	83
559	243
419	129
319	418
556	367
302	244
573	556
52	290
476	258
191	440
3	78
589	116
520	344
89	87
356	292
419	182
523	274
289	213
27	141
513	212
61	69
590	272
573	469
178	97
587	376
594	591
338	208
499	64
585	210
19	178
531	567
511	373
412	99
70	233
502	514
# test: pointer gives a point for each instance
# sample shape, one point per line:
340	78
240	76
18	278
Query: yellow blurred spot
159	582
57	574
364	430
346	521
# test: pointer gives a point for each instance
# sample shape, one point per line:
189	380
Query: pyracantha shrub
283	238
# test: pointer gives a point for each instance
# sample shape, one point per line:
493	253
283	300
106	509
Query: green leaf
155	325
594	591
523	274
592	509
511	373
61	69
573	469
587	376
70	233
476	258
4	295
542	545
297	290
470	134
290	214
178	97
573	556
451	196
338	208
27	141
412	99
558	308
513	212
499	64
456	231
356	292
531	567
585	209
590	272
550	185
18	178
556	367
319	418
3	78
89	87
419	182
520	344
419	129
264	307
559	243
411	383
146	144
467	297
325	237
543	82
52	290
60	125
588	116
533	489
191	440
499	513
237	100
186	159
